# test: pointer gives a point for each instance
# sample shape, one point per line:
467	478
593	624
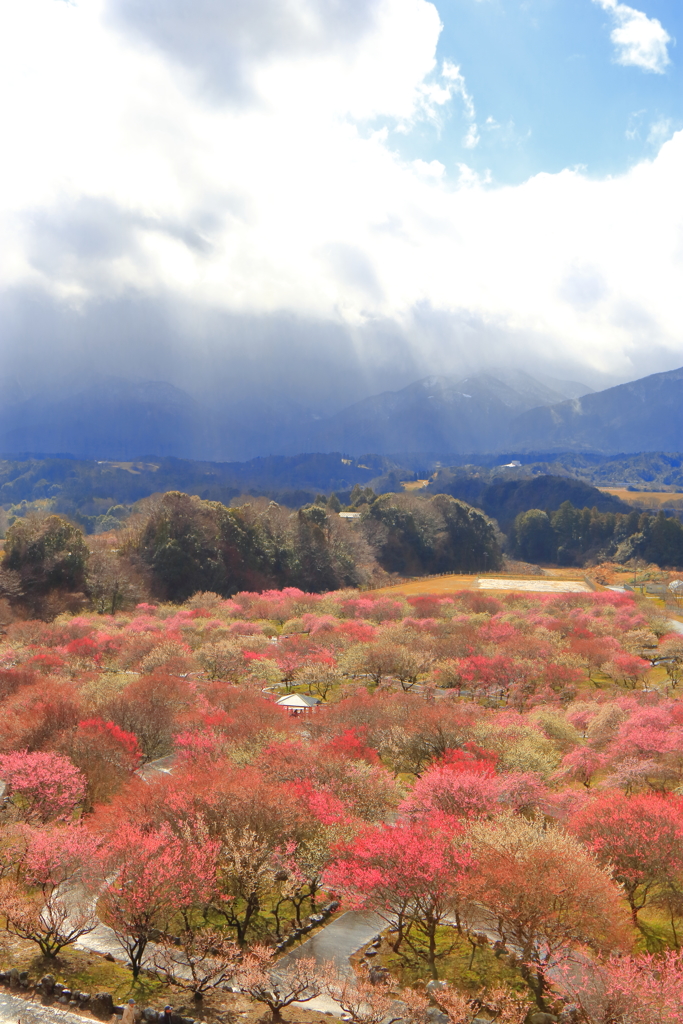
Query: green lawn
468	969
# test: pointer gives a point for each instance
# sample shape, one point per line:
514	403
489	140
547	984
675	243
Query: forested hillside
86	491
503	499
172	545
177	544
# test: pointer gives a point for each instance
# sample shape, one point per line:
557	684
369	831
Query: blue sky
340	195
545	72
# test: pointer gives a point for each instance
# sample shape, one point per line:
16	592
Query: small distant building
349	515
298	703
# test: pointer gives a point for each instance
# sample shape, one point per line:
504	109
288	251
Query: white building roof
297	700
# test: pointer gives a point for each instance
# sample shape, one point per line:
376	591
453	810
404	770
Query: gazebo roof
297	700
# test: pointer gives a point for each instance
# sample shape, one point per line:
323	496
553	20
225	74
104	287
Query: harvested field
413	485
565	573
451	584
432	585
541	586
646	499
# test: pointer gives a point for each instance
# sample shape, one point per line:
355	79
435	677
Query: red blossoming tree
48	900
150	877
106	754
409	874
640	838
42	786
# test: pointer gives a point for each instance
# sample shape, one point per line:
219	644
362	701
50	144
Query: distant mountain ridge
499	410
111	418
643	415
469	414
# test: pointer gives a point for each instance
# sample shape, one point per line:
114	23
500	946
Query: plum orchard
512	762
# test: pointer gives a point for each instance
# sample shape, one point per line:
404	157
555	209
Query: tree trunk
536	982
399	934
136	951
431	932
474	950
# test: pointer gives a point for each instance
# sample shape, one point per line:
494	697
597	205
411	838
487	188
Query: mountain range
631	417
499	410
447	414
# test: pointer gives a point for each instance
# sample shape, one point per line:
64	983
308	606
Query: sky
316	200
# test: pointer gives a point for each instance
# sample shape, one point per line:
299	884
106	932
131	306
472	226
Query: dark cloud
228	357
222	41
583	287
221	357
82	238
88	231
352	268
260	380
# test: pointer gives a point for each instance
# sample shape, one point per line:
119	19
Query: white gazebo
298	703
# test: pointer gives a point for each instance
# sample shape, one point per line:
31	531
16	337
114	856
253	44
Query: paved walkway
336	942
14	1009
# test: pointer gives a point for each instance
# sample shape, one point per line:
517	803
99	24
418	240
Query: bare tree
277	987
200	959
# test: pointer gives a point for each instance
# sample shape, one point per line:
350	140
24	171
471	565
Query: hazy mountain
643	415
471	414
501	410
110	418
566	388
115	418
11	393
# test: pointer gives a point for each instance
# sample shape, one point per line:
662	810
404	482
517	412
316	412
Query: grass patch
262	928
655	933
467	969
88	972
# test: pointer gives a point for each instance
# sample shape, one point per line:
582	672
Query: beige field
537	584
644	498
433	585
444	585
413	485
563	573
132	467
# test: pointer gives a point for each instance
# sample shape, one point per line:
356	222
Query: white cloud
634	124
454	85
285	205
433	169
451	72
473	137
640	41
660	131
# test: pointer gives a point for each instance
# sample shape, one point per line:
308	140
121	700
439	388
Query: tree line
571	536
177	544
180	544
